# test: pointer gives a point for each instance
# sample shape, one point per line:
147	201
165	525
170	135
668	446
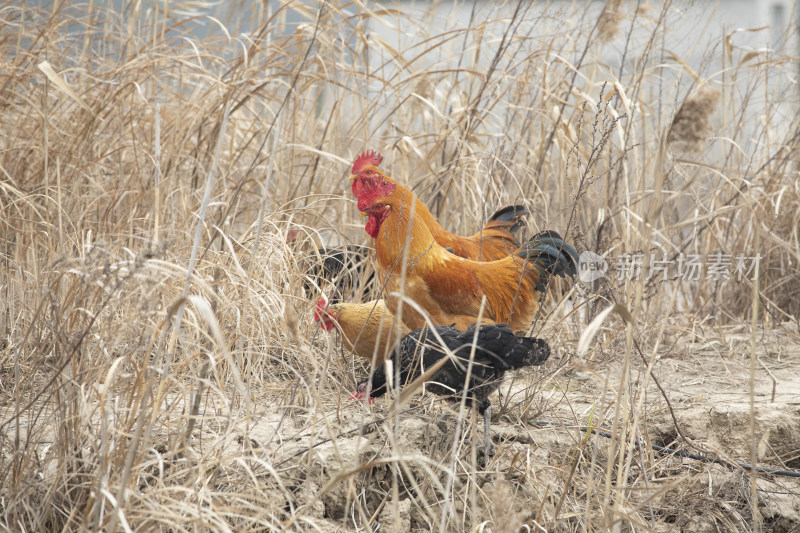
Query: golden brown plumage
449	288
496	239
360	325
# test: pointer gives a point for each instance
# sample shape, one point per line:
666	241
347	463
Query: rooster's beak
362	214
352	177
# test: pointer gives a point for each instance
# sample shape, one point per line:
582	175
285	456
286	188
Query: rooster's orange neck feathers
400	228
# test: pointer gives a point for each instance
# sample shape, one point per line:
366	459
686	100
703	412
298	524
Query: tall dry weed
159	369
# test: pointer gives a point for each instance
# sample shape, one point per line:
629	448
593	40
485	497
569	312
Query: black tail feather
551	251
512	216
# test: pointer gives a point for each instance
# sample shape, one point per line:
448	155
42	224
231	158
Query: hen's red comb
319	309
366	159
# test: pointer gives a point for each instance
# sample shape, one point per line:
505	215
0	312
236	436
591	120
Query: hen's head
376	212
362	392
327	317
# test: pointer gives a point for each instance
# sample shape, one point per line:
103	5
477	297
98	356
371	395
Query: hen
361	325
495	240
497	350
450	288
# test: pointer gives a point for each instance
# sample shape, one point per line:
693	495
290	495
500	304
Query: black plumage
510	217
549	251
497	350
345	268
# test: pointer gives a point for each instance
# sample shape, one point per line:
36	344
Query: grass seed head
692	123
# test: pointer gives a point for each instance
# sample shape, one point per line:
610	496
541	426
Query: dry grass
159	369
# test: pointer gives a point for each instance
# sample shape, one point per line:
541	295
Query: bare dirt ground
555	477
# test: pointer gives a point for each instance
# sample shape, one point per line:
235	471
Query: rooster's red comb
366	159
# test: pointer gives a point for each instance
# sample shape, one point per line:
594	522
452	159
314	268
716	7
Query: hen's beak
352	177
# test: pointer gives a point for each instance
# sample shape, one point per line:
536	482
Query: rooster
495	240
361	324
450	288
496	350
